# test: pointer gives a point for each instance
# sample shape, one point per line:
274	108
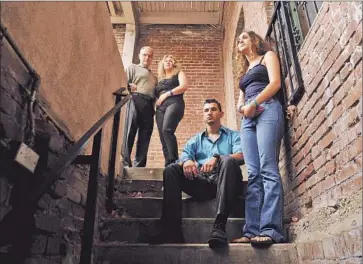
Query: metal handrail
76	149
281	17
73	157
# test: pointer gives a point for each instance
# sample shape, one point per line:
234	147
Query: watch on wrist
217	156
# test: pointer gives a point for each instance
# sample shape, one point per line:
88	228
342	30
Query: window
289	26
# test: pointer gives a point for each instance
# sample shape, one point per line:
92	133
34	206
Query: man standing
140	109
208	168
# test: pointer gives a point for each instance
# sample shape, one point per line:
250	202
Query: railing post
92	191
112	157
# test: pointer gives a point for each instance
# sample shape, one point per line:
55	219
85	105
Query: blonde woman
169	105
261	133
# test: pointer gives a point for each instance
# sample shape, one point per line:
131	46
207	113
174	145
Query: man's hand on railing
133	87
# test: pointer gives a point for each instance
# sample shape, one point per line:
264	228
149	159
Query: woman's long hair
259	47
161	71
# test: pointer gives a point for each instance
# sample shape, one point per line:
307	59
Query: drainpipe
34	86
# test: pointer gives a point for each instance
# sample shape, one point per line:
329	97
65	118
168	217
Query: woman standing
169	105
261	133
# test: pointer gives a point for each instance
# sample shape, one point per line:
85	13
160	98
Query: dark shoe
167	237
218	238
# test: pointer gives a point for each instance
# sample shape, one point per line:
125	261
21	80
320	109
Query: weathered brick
48	223
327	140
59	189
336	83
54	245
355	148
301	251
38	244
346	172
353	243
348	32
320	161
356	56
348	67
328	247
73	195
10	128
352	185
318	252
330	167
352	97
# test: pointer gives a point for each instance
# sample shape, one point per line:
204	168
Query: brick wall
256	16
119	33
323	171
198	49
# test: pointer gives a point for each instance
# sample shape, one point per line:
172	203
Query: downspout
34	85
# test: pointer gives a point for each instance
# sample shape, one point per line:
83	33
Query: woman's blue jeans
261	139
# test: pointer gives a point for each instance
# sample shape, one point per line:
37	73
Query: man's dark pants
225	184
140	117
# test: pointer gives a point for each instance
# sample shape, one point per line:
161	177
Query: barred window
289	26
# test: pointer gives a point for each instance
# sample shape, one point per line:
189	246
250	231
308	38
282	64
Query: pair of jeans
226	186
168	116
139	118
261	139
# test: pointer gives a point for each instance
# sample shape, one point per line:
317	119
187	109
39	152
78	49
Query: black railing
285	36
73	156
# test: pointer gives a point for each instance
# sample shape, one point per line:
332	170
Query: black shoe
218	238
167	237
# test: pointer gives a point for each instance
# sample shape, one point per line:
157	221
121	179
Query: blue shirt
201	148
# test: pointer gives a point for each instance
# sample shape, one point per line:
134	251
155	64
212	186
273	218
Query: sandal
262	240
243	239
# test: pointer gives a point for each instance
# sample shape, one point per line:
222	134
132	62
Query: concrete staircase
139	195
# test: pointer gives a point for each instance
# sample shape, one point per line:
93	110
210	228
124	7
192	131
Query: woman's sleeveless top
167	85
254	81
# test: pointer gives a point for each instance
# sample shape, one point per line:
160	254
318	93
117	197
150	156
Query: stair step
145	188
138	230
157	173
118	252
143	173
150	207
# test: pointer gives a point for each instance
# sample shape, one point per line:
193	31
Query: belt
144	96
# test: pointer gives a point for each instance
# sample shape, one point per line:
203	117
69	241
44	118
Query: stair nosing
184	245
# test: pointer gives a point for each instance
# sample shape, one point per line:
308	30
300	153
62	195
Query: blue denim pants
261	139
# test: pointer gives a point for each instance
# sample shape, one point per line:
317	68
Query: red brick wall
198	49
119	33
323	177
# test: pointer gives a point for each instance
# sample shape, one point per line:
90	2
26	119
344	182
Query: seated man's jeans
225	184
260	138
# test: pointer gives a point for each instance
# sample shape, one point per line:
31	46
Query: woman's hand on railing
290	112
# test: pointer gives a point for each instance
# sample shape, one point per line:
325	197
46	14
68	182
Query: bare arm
183	84
241	100
237	156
